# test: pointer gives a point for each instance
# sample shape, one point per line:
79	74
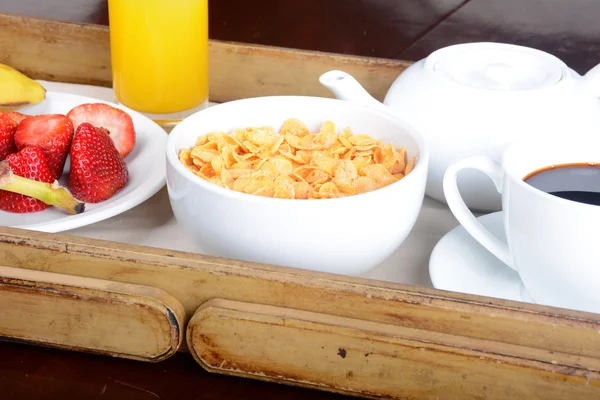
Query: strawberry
51	133
16	116
29	163
117	122
7	136
97	169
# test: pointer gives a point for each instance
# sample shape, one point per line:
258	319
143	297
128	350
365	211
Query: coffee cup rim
510	170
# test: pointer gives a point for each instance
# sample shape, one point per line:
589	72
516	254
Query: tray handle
90	315
369	359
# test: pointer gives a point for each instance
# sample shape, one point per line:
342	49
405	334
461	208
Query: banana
18	90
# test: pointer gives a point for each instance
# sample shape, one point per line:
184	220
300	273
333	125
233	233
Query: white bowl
348	235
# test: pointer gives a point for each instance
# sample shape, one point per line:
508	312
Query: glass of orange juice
159	51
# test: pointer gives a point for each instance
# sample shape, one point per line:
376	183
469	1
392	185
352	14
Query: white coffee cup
553	243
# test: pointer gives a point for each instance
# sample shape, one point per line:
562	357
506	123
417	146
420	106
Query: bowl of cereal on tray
305	182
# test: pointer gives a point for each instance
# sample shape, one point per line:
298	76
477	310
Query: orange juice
159	52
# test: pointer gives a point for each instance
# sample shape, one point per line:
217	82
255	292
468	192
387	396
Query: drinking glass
159	51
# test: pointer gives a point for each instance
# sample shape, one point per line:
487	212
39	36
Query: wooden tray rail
329	332
91	315
194	279
370	359
80	53
467	329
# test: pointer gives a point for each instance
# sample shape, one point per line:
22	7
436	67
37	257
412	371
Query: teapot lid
497	66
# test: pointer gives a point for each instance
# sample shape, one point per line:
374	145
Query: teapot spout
345	87
592	78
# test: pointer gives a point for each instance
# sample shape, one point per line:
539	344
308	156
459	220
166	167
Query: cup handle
462	212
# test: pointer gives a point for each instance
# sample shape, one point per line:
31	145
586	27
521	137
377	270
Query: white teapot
476	98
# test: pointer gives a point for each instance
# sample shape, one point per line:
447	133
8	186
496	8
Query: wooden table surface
402	29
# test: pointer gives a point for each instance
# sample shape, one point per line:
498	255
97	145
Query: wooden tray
329	332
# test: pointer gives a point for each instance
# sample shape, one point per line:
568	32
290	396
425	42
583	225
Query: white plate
458	263
146	165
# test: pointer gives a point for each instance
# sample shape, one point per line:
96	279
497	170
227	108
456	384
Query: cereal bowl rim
181	129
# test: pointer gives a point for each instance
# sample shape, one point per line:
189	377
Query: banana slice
18	90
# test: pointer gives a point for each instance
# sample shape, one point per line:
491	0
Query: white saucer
459	263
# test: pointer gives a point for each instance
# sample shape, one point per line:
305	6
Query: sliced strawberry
52	133
117	122
16	116
97	169
29	163
7	136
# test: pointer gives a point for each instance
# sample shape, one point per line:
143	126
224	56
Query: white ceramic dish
347	235
458	263
146	165
474	99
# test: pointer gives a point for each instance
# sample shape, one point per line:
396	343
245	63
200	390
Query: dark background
399	29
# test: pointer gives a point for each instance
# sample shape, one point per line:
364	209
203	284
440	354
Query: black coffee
575	182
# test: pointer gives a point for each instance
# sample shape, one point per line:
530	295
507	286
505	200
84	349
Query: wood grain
194	279
91	315
42	373
567	29
396	29
362	27
80	53
370	28
369	359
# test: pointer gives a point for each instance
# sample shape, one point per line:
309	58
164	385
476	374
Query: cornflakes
295	163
